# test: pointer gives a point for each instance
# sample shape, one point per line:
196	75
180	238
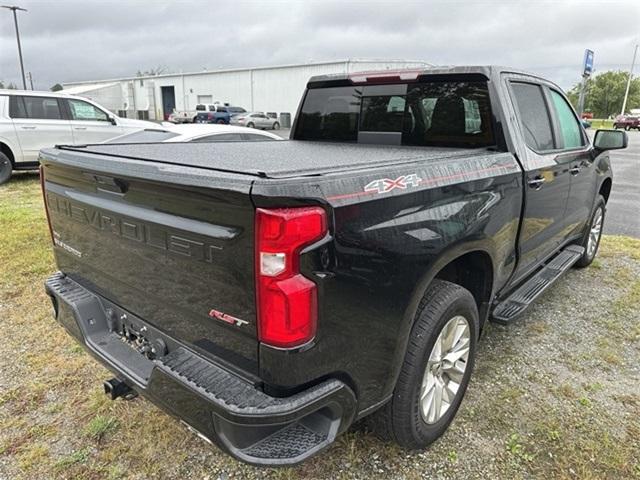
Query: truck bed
285	159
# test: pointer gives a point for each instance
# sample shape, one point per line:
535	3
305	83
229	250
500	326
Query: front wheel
591	239
436	369
5	168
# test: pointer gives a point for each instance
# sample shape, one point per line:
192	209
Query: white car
30	121
195	133
255	120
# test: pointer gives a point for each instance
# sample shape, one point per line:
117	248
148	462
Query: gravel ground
556	395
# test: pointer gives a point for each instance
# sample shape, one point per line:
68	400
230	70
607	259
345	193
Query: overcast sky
68	40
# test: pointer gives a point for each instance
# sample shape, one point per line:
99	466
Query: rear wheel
436	369
5	168
251	125
591	239
276	126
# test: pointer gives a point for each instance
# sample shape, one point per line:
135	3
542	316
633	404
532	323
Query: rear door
89	123
547	176
39	123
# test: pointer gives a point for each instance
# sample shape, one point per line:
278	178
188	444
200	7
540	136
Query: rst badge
385	185
225	317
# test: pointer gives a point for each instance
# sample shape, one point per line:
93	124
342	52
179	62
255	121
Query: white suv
31	120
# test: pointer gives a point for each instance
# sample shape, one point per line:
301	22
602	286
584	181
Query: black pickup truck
269	294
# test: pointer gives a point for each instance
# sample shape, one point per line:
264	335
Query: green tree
605	93
10	85
56	88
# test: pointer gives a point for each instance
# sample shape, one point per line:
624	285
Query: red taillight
287	302
44	199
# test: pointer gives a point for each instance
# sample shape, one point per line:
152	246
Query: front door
90	124
579	155
547	178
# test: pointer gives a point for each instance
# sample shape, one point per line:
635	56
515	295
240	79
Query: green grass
601	123
100	426
520	418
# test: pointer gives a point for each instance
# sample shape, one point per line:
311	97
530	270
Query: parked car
627	122
218	114
270	295
195	133
182	116
256	120
32	120
585	123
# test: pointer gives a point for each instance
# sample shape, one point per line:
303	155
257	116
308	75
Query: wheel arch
6	149
605	188
470	266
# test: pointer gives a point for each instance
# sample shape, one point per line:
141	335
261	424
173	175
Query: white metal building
266	89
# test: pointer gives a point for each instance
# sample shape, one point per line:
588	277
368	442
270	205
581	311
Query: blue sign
588	63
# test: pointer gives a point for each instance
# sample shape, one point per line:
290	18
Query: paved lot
623	211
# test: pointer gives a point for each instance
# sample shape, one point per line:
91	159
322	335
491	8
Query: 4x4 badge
384	185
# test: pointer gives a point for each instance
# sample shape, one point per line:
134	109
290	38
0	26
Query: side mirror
112	120
610	140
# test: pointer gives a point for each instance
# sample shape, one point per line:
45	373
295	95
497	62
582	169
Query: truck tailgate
175	252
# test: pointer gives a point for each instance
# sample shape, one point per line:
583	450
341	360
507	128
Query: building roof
245	69
84	88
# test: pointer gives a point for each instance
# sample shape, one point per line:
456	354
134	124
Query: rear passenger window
39	108
571	132
534	116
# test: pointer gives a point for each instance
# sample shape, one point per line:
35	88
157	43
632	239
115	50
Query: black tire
400	420
251	125
5	168
276	126
589	254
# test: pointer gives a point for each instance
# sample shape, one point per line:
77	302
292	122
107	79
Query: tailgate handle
110	184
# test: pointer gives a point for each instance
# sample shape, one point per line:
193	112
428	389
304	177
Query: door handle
575	170
79	128
25	127
536	182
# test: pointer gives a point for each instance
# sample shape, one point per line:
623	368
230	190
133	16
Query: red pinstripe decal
423	182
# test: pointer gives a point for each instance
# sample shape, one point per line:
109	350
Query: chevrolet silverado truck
270	294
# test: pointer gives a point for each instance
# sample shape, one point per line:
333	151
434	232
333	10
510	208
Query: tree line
604	94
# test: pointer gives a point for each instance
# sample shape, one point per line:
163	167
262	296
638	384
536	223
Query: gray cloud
72	40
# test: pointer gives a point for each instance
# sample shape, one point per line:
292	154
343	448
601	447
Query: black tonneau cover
283	159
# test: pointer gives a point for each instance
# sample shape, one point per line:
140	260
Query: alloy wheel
445	369
594	232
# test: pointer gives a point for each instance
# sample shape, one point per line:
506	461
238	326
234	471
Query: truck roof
403	75
284	159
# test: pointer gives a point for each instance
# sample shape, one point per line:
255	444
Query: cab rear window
435	113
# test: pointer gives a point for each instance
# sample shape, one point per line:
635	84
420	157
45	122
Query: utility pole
30	79
626	93
15	21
